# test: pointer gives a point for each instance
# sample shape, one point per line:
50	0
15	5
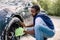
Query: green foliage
52	7
43	4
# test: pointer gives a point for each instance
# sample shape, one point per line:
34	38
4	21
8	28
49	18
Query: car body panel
4	19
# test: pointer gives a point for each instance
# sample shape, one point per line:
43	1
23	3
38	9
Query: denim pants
41	32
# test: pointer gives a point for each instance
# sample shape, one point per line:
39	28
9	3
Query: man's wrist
25	29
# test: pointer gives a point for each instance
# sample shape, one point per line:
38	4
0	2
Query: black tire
9	33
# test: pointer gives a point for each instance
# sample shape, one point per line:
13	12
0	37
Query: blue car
8	23
9	20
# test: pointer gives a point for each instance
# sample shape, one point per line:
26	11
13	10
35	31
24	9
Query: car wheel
9	33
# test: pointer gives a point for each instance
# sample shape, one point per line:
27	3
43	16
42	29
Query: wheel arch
18	17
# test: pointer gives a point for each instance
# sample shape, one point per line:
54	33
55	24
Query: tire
9	33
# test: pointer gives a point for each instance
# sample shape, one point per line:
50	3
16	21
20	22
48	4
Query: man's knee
52	34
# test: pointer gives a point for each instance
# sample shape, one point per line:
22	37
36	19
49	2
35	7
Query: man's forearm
27	25
30	25
29	32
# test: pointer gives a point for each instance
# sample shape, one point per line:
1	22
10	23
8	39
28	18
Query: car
9	20
8	23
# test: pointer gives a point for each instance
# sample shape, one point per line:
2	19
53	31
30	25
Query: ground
56	21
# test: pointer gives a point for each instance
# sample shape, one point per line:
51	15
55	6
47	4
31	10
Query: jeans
42	31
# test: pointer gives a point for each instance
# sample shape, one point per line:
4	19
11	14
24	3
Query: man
42	26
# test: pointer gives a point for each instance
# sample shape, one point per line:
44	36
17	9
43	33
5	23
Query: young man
42	26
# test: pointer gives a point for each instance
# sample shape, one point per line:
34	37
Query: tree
44	4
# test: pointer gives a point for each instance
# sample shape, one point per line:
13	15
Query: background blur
52	7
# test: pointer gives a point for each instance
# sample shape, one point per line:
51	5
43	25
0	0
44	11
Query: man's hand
22	24
29	32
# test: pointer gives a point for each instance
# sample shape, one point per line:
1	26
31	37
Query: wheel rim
10	34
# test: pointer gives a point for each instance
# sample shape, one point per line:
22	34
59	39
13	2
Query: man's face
33	11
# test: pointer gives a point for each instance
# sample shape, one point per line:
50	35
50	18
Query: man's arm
31	25
22	23
38	21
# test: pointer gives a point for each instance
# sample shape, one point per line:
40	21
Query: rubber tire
11	27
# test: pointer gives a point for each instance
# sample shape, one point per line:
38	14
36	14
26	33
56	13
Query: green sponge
19	31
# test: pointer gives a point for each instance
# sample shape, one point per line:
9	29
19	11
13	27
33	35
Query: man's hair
36	7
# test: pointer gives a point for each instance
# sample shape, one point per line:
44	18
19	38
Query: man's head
35	9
